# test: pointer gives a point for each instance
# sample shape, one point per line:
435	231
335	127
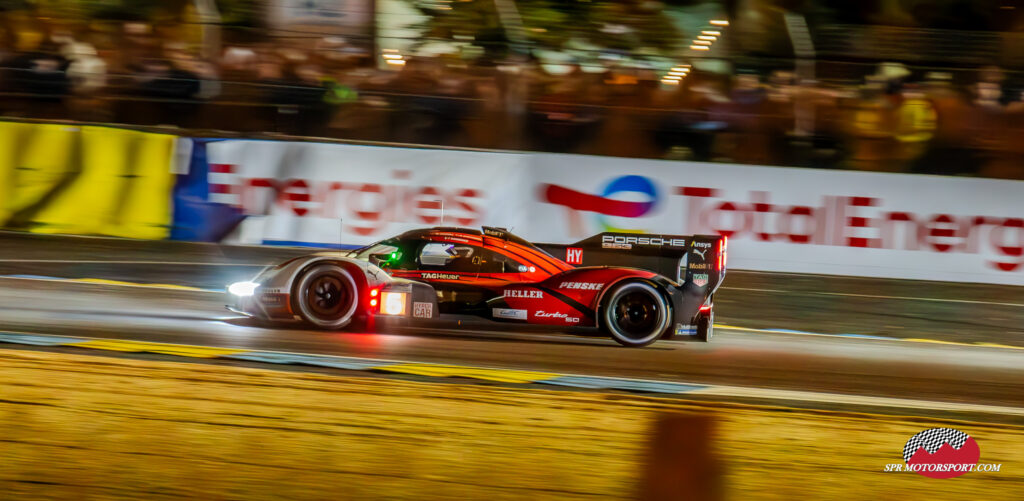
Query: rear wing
700	259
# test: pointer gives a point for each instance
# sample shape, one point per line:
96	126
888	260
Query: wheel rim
326	297
636	315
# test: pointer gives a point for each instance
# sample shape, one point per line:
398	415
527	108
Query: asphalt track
747	355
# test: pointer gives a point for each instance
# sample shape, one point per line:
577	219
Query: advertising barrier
337	195
794	220
85	180
778	219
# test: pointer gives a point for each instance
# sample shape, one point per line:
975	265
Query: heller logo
942	453
523	293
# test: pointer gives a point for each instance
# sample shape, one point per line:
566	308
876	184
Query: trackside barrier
85	180
778	219
92	180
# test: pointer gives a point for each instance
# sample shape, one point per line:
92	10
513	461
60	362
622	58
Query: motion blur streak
202	431
85	180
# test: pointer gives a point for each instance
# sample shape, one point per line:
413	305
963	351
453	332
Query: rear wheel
635	314
326	296
706	325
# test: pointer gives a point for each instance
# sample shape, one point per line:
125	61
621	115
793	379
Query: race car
634	288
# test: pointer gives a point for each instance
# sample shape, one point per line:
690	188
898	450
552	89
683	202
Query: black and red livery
635	288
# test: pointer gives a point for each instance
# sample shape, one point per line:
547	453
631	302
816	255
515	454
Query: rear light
723	249
706	308
393	303
374	293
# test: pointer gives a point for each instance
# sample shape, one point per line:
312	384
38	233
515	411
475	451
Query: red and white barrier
778	219
798	220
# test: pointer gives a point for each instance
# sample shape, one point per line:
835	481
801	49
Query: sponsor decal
566	317
698	266
523	293
642	240
439	276
585	286
508	313
701	279
495	232
423	310
942	453
574	255
685	330
606	245
272	298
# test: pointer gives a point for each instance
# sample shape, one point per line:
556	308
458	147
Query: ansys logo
623	197
942	453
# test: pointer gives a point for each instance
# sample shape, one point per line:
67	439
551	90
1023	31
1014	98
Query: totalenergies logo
642	191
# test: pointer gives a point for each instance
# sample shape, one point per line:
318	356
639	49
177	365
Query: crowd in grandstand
894	119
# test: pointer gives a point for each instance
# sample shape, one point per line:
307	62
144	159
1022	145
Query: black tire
706	325
635	314
326	296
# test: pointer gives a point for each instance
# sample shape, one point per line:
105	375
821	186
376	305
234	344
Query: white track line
872	296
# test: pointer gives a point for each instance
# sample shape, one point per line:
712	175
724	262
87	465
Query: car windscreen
383	247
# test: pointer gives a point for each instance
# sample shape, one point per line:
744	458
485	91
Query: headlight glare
243	289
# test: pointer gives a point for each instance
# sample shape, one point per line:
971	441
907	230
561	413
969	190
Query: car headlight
243	289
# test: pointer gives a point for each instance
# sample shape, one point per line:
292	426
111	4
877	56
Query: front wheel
635	314
326	296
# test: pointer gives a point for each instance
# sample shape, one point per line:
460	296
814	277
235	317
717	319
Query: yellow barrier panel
499	375
35	160
85	180
161	348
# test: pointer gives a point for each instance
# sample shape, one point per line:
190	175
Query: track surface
915	370
836	305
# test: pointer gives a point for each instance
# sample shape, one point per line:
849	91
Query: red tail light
723	249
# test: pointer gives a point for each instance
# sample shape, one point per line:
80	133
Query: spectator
87	73
40	80
871	128
170	91
947	151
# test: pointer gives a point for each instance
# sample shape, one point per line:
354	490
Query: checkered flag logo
932	440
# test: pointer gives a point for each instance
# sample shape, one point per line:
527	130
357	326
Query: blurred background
887	85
